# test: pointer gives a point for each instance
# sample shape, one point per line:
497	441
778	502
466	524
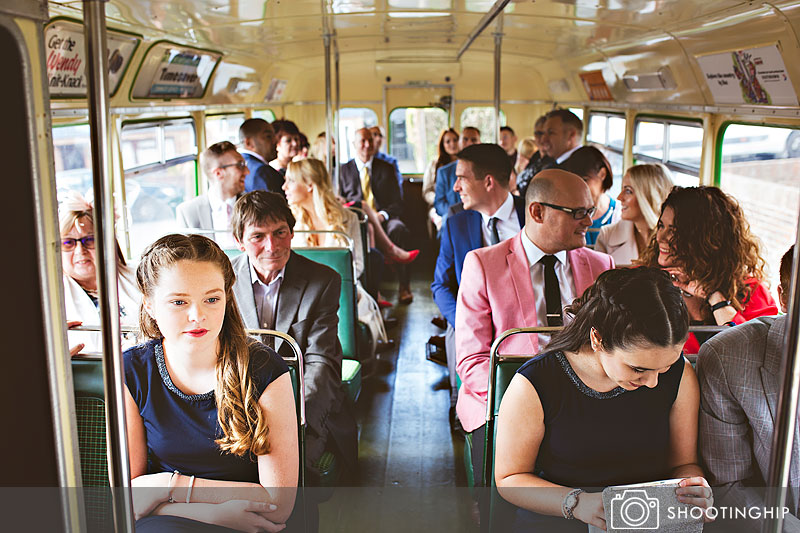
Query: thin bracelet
191	486
171	486
719	305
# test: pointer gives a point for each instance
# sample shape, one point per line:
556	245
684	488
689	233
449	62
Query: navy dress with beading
596	439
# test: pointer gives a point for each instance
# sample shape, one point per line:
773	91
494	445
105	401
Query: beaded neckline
583	387
165	377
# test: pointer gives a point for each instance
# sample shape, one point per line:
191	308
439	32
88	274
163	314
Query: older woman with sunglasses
78	261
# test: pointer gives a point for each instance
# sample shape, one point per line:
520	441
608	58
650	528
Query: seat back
341	260
363	223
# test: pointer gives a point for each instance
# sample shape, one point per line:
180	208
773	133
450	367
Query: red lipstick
197	332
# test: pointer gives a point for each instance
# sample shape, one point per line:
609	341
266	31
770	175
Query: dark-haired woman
590	164
703	240
210	413
446	153
612	401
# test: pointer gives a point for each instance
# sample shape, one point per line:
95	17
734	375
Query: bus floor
412	475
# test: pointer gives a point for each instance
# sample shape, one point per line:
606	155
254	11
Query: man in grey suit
739	373
370	180
225	170
278	289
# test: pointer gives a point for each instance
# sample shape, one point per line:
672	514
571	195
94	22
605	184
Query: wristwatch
569	503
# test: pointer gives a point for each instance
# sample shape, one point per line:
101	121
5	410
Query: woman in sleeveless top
704	241
211	423
612	401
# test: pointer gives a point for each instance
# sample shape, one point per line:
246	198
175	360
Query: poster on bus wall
754	76
66	59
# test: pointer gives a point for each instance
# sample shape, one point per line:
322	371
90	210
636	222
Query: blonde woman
644	188
210	413
315	207
525	151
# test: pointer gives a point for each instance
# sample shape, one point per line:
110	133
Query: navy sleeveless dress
596	439
181	428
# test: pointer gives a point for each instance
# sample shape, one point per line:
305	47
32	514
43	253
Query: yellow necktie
366	187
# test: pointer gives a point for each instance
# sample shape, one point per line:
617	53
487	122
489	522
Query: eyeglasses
577	213
69	244
241	165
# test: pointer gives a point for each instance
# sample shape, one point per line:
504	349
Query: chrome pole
786	419
99	119
328	104
498	41
337	148
487	19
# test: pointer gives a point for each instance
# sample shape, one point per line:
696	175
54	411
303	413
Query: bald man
524	281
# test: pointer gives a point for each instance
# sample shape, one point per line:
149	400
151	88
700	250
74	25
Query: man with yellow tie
372	181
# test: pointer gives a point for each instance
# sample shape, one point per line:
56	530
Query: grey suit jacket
195	213
739	373
307	307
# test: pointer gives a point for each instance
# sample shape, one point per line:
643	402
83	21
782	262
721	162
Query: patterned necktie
366	186
495	235
552	294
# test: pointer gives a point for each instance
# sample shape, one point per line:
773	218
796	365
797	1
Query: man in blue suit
257	146
377	144
490	214
446	175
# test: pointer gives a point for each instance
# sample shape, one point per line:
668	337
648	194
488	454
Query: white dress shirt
221	211
266	297
507	222
563	157
566	283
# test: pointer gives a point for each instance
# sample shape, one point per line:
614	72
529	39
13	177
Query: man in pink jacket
522	282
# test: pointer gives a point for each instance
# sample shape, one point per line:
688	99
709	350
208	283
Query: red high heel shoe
411	256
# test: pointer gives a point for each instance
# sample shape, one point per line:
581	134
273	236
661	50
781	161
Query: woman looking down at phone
610	402
210	413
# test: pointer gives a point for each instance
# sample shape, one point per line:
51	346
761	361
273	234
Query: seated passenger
538	161
226	171
78	260
522	282
287	148
377	142
508	142
278	289
644	188
611	401
257	140
740	379
190	427
445	197
703	240
526	150
315	207
372	182
590	164
303	147
319	150
446	153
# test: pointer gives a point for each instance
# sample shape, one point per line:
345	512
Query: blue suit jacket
445	195
461	233
261	177
392	160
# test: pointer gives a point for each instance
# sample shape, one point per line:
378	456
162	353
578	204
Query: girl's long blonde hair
244	428
312	172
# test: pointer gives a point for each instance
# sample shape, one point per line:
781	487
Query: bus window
577	111
160	165
483	119
350	120
223	128
759	168
607	132
677	145
413	132
73	158
265	114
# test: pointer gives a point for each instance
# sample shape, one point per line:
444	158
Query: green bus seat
351	376
363	223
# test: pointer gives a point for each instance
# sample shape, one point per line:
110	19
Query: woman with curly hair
703	240
447	150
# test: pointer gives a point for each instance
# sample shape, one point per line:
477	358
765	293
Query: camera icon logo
634	509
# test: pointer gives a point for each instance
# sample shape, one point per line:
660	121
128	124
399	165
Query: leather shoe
437	340
382	346
390	322
404	296
439	321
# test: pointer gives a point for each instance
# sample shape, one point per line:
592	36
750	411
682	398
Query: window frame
607	114
389	129
211	116
667	120
720	139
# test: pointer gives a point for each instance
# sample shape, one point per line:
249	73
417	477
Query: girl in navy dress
612	401
211	420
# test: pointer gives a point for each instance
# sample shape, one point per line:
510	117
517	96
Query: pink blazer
495	295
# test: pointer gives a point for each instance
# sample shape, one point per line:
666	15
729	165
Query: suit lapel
243	291
474	230
206	220
517	262
288	297
581	271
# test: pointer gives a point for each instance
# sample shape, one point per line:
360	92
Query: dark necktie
552	294
495	236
